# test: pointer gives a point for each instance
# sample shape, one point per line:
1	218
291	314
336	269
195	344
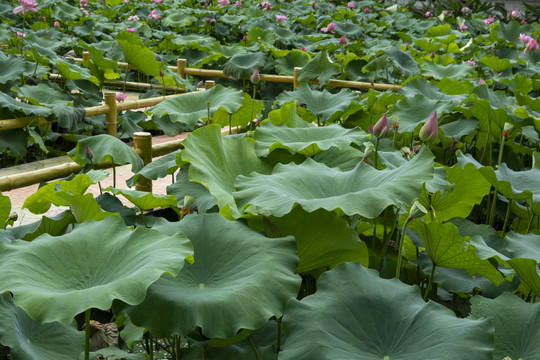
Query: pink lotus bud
208	20
120	96
314	5
465	10
366	10
245	39
381	128
57	24
351	5
429	14
463	28
523	22
430	130
432	55
532	45
88	153
161	74
481	82
131	30
255	77
343	41
303	48
524	38
200	84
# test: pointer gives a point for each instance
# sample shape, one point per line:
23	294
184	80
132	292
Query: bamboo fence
112	107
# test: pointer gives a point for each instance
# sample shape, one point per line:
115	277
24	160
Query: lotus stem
114	174
253	106
254	348
492	210
177	346
377	154
400	248
87	334
501	149
205	352
506	218
151	348
430	283
278	335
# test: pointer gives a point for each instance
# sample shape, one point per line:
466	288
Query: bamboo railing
112	107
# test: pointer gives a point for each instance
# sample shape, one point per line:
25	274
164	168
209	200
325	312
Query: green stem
230	124
487	140
254	348
492	210
506	218
151	349
253	106
177	346
488	205
278	335
400	248
501	149
377	153
114	175
205	352
87	334
143	218
428	289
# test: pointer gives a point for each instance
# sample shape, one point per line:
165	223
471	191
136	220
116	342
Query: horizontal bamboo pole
10	124
141	86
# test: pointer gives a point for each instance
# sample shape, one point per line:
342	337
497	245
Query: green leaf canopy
56	278
192	107
239	280
28	339
356	315
363	190
306	141
517	325
320	67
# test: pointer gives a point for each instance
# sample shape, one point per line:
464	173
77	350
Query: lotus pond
333	224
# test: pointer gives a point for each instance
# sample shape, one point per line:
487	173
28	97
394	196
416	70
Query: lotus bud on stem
417	210
255	80
380	129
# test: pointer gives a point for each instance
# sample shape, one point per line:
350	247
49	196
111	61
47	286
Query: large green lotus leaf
56	278
446	248
495	63
40	201
510	31
146	200
217	161
306	141
239	280
452	71
183	187
320	67
178	19
469	188
106	147
525	250
517	325
83	207
11	68
141	57
11	104
72	71
285	65
361	191
108	67
321	103
28	339
411	111
192	107
357	315
242	66
158	168
287	116
56	225
242	117
63	10
323	239
403	61
256	33
430	91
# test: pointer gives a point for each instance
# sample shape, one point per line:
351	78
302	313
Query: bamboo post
208	84
111	116
142	144
295	79
5	47
180	67
86	56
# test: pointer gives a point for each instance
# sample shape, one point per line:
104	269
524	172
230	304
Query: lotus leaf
242	65
239	280
242	117
306	141
11	69
355	314
192	107
31	340
146	200
517	325
183	187
320	67
361	191
56	278
525	252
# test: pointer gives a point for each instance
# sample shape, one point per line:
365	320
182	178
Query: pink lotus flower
488	21
481	82
513	15
26	5
343	41
83	3
465	10
472	62
429	14
366	10
133	18
463	28
524	38
331	27
120	96
280	18
381	128
430	130
314	5
523	22
208	20
303	48
351	5
245	39
21	34
532	45
238	4
265	5
154	14
223	2
131	30
158	1
448	13
57	24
